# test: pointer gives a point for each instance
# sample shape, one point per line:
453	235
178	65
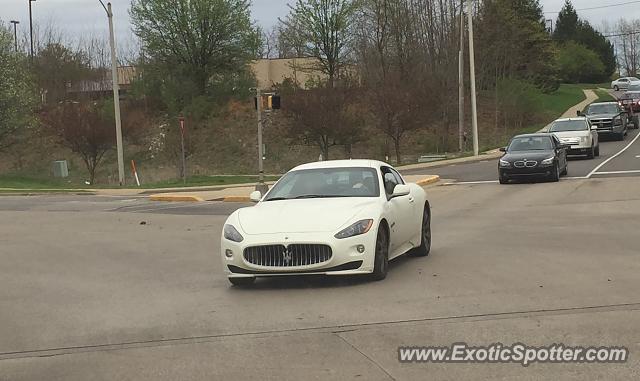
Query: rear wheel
242	281
425	235
381	261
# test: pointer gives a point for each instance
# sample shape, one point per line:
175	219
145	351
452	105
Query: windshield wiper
277	199
318	196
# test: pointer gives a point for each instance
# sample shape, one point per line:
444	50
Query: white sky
77	18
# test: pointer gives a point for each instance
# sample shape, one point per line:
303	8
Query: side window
623	80
397	176
389	180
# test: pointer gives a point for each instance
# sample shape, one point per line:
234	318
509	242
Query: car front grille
602	123
287	256
571	141
525	164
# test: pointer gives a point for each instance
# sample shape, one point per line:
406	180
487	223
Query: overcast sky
78	18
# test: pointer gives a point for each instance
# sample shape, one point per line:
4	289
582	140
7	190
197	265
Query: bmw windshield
326	183
530	143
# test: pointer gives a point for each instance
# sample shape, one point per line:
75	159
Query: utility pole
184	159
31	27
15	32
472	68
116	93
461	81
261	186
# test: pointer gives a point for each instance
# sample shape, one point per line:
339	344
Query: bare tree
84	129
630	43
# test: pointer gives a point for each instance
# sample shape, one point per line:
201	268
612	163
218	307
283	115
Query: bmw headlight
358	228
547	161
504	163
232	234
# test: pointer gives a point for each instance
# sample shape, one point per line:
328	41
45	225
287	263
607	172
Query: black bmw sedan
533	156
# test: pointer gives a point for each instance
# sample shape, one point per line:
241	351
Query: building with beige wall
270	72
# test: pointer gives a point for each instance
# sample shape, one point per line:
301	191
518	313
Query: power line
602	6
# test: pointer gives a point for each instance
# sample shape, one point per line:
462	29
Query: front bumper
537	171
345	258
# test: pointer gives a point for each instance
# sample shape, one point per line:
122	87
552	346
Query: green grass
593	85
33	183
603	96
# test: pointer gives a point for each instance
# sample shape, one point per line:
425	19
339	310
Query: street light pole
15	32
261	186
31	27
472	69
116	94
461	81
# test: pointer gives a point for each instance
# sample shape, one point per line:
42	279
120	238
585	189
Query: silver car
578	134
624	83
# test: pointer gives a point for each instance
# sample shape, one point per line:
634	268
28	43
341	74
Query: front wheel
592	153
381	261
555	173
616	88
425	235
597	153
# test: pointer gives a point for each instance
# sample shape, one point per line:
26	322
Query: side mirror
401	190
502	149
579	113
255	196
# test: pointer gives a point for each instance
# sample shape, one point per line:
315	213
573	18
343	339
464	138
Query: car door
623	83
399	210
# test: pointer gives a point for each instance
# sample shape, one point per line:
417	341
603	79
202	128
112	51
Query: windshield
568	125
609	108
530	143
326	182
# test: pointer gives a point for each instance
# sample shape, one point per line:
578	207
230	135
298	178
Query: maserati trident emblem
286	256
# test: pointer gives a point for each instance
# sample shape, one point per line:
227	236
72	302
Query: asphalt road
487	170
106	288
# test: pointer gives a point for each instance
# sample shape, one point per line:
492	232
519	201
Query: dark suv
608	117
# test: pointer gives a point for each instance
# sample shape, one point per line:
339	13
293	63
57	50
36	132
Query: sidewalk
590	97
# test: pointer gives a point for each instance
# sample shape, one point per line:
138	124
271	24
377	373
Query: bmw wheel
555	173
425	236
381	261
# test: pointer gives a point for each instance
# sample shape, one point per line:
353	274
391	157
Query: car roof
603	103
354	163
537	134
570	119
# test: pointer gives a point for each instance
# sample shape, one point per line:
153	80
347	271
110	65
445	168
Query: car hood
601	116
301	216
529	155
571	134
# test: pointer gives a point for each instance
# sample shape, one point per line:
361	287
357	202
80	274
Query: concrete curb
236	199
175	198
428	180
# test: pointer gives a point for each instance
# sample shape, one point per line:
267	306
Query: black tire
242	281
592	153
555	174
565	171
502	178
597	150
616	88
621	136
425	235
636	122
381	261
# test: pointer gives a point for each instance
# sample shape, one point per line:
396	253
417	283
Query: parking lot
124	288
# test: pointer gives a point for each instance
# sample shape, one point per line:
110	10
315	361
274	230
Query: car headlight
548	161
358	228
232	234
504	163
617	121
584	139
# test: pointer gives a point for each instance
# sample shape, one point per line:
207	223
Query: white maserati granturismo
338	217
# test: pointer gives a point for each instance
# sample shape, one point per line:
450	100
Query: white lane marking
596	169
616	172
472	182
576	178
637	156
